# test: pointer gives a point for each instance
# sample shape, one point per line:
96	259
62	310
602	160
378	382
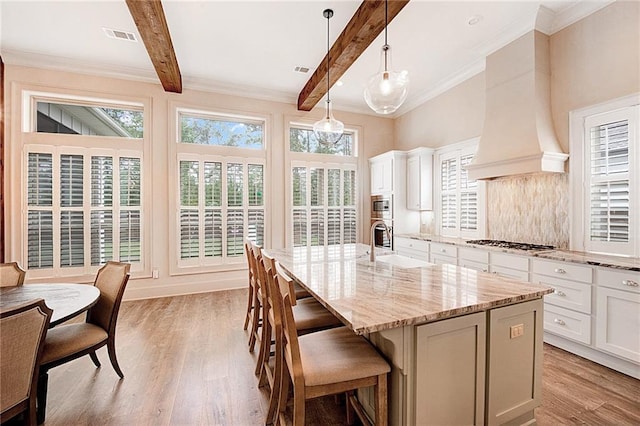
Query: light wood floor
186	362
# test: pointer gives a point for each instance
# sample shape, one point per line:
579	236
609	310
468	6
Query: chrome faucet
372	254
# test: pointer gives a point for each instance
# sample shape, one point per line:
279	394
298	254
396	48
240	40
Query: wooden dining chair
11	274
324	363
309	316
68	342
22	332
255	253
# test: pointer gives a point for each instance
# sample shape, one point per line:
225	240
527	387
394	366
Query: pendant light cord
328	75
386	45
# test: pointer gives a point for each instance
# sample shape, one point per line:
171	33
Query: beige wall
594	60
376	135
453	116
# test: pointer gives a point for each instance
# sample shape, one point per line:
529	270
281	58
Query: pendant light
387	89
328	130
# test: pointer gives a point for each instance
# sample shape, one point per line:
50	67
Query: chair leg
255	323
382	416
95	359
298	405
272	412
41	396
248	315
283	396
350	411
111	348
265	349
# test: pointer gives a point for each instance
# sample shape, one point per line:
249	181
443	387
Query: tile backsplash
529	208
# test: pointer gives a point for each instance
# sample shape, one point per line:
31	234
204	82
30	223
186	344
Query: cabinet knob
559	321
559	292
560	271
630	283
443	250
485	270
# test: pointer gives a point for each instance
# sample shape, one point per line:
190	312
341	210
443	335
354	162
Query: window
221	188
322	189
84	189
605	142
461	199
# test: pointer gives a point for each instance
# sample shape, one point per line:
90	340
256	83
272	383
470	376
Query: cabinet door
450	371
381	176
413	183
514	376
618	323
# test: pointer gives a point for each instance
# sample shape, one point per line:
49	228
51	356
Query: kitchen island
465	346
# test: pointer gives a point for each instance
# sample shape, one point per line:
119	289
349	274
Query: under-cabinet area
594	310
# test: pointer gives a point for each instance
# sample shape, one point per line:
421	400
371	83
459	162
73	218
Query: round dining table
66	300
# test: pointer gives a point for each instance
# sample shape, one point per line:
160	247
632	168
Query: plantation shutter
609	182
71	214
468	197
40	211
448	189
101	209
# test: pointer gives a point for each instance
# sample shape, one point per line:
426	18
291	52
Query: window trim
457	150
30	140
578	213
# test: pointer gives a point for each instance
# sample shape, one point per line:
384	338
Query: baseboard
181	289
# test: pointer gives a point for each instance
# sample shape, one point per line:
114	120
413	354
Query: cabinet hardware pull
560	293
559	321
560	271
443	250
485	270
630	283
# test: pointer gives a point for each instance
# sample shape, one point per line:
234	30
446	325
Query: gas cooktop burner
511	245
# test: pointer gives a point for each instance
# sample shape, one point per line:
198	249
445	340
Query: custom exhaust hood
518	135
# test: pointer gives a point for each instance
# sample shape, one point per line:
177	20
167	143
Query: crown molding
575	12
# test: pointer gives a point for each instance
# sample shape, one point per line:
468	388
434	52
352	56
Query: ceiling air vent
302	70
120	35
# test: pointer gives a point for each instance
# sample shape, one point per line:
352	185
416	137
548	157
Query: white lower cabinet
443	254
416	249
567	323
618	323
473	258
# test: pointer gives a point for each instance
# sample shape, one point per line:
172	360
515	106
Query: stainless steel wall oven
382	209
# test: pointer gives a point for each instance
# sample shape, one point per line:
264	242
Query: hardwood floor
186	362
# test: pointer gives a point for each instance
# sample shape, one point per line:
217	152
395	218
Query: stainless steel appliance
382	209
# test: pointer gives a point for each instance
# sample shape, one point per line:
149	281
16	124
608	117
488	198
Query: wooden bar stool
323	363
310	316
252	286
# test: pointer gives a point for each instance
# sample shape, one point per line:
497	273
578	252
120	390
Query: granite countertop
370	297
618	262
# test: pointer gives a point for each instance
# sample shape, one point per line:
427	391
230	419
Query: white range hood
518	135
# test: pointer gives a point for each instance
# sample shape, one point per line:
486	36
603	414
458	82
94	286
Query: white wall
376	137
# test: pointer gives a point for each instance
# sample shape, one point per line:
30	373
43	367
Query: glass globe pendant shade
386	90
328	130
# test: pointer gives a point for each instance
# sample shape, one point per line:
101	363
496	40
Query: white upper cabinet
381	174
420	179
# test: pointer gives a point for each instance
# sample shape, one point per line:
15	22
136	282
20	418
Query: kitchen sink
402	261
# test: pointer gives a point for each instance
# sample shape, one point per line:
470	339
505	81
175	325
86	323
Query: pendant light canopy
328	130
387	89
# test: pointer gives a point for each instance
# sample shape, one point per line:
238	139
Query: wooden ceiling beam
152	26
365	25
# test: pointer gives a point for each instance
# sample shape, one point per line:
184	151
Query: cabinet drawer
566	323
414	254
568	294
510	273
478	266
619	279
472	254
564	270
510	261
411	244
441	260
444	249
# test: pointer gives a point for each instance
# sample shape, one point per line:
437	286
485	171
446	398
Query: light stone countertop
371	297
594	259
